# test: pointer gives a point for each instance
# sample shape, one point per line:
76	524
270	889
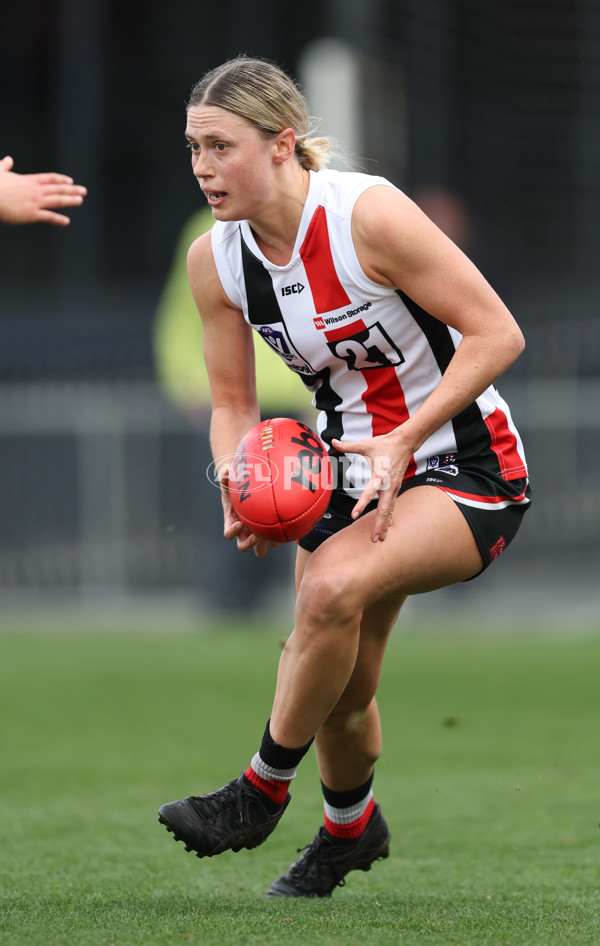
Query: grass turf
489	781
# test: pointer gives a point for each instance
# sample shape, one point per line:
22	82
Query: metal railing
104	489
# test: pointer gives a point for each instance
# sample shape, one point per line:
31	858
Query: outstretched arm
35	198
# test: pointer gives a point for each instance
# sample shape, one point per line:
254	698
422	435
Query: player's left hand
388	456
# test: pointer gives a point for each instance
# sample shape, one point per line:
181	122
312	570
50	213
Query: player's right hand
234	528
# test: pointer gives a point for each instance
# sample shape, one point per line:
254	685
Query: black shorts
493	507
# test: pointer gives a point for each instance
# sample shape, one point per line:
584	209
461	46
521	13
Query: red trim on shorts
276	791
477	497
355	828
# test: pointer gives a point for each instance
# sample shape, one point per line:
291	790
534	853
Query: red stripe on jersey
386	403
345	331
384	397
315	252
504	445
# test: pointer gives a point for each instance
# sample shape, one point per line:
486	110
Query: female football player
400	339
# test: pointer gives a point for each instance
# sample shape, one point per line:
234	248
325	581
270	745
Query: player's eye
220	146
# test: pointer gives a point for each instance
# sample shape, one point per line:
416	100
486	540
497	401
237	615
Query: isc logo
294	290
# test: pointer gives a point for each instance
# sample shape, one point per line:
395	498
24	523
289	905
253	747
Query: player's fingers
348	446
48	216
383	519
367	496
232	528
64	190
7	163
261	547
55	201
245	542
379	483
50	177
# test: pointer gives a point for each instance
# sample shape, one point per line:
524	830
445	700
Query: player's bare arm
229	356
398	246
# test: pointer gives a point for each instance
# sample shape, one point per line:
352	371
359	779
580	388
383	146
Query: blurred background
488	115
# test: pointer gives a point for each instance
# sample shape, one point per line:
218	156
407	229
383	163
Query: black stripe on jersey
328	401
471	434
436	333
263	308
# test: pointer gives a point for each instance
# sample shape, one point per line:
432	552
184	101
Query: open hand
388	457
34	198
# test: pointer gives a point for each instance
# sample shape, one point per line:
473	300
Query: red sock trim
355	828
276	791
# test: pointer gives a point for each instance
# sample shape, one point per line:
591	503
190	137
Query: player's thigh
429	545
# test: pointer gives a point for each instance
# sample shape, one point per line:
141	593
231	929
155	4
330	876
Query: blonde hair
264	95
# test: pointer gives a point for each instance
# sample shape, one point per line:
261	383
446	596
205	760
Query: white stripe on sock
348	815
267	772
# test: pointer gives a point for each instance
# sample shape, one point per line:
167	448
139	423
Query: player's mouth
215	197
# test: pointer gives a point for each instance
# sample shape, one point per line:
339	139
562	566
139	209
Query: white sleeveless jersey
369	354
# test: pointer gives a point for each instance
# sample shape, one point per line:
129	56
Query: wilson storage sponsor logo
322	322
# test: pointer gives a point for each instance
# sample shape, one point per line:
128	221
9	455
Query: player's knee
327	595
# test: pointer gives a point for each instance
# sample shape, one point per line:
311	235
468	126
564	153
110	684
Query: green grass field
489	781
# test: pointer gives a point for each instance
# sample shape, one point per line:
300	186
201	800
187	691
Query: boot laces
220	804
314	858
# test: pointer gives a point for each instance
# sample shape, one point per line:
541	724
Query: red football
280	479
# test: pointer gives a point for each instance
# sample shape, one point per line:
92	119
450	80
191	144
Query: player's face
231	160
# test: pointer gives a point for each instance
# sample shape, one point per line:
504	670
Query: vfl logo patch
284	348
275	339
